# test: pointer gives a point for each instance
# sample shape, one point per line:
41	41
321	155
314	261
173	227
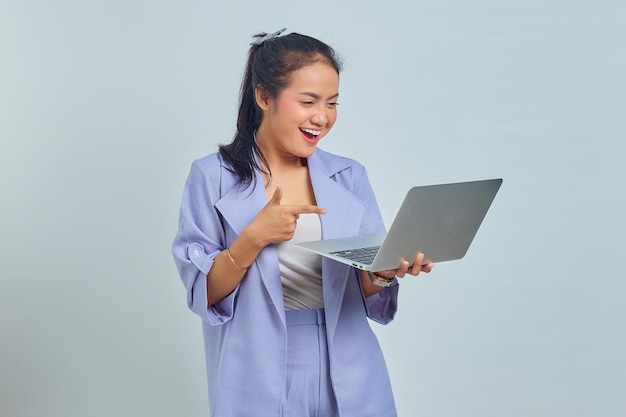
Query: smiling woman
285	332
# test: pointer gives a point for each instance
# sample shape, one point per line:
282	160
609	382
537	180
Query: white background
104	105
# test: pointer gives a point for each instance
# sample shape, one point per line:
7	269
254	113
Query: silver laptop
438	220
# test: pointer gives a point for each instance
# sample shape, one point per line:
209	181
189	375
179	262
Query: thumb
278	195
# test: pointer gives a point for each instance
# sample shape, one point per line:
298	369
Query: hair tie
267	37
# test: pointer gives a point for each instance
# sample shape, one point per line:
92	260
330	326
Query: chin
305	154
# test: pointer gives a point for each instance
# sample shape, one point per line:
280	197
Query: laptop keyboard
362	255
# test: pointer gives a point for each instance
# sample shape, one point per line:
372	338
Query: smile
311	131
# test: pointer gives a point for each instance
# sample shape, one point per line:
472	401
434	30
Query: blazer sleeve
380	307
200	237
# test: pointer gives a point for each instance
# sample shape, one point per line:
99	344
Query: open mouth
311	135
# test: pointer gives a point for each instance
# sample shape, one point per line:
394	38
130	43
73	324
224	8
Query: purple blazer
245	333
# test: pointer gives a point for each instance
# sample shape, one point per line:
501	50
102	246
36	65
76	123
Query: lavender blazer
245	333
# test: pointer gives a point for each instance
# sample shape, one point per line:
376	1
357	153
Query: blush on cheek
287	104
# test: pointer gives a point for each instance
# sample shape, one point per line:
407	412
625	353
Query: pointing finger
308	209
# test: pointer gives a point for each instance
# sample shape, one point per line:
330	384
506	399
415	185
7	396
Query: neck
276	159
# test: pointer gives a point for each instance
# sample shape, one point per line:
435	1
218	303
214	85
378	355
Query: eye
333	104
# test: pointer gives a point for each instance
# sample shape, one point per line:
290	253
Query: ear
262	97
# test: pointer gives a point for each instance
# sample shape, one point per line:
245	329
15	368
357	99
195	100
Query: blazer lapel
239	207
344	216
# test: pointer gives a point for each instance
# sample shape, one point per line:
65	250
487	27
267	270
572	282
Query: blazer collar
239	206
345	210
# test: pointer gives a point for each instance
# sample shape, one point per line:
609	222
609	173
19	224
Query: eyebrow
317	96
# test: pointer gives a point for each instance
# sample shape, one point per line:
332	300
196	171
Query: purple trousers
309	391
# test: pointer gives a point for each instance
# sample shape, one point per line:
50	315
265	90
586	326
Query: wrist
253	238
379	280
234	262
243	251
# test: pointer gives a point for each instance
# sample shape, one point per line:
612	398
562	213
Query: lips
311	135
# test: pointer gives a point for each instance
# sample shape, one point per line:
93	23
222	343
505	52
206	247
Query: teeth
312	132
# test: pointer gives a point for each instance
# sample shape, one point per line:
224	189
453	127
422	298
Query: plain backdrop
105	104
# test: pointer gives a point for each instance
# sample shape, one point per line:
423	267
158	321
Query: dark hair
269	66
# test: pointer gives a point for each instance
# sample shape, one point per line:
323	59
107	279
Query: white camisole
300	269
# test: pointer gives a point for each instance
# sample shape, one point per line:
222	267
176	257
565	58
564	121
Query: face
301	115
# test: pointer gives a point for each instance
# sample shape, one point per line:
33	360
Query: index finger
302	209
417	264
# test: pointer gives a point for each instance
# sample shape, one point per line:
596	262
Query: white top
300	269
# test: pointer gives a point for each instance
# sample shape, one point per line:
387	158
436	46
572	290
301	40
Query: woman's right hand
276	222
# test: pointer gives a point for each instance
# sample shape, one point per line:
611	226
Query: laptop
438	220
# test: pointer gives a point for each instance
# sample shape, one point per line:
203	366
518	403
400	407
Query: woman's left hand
414	268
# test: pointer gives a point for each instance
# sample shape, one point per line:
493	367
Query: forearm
228	271
368	287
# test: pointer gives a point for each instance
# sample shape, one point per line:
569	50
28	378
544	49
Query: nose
320	118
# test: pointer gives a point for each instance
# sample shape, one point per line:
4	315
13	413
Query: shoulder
213	174
208	164
334	164
211	166
205	170
208	174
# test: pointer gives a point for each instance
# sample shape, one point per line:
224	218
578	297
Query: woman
285	331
